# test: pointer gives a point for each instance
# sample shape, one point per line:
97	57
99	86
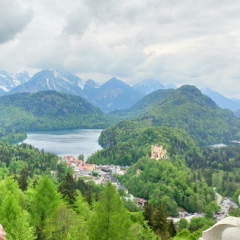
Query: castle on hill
158	152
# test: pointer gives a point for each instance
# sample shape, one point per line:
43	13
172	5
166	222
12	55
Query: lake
66	142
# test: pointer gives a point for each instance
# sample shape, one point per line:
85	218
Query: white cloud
185	42
13	19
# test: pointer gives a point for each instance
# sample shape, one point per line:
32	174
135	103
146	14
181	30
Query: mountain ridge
49	110
186	108
108	99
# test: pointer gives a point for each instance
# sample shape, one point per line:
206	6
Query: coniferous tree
148	213
44	204
68	189
171	228
110	221
65	224
81	206
159	221
23	179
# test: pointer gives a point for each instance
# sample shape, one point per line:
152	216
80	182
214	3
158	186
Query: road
219	198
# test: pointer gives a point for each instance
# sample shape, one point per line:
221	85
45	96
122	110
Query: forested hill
128	141
49	110
186	108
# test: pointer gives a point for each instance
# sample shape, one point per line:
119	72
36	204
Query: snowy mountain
148	86
9	81
52	80
220	100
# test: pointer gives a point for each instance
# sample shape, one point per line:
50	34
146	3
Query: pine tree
81	206
65	224
68	189
44	203
110	221
159	221
23	179
148	213
171	228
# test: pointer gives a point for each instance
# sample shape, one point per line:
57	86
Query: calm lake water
66	142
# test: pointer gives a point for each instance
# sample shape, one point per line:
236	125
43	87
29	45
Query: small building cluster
226	205
158	152
79	167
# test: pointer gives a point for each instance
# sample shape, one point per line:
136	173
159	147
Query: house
141	202
79	167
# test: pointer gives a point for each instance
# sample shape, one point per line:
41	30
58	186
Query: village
101	174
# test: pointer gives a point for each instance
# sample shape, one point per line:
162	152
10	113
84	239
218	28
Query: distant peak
114	79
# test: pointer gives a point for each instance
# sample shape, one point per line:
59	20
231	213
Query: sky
172	41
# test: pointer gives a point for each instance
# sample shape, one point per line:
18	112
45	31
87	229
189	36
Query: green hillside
49	110
128	141
170	180
186	108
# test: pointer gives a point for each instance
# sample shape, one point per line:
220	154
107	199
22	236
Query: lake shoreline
66	142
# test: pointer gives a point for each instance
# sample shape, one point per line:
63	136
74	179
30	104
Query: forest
48	110
188	109
41	200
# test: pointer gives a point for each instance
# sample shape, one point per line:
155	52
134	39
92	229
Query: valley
160	140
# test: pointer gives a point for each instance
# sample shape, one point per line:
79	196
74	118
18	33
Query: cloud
13	19
184	42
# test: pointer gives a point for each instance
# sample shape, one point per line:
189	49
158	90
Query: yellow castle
158	152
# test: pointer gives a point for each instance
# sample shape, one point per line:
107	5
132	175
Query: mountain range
112	95
9	81
186	108
222	101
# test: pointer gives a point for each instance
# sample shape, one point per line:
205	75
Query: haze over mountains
113	94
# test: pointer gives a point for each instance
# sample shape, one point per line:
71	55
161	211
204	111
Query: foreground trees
44	204
43	213
13	216
110	220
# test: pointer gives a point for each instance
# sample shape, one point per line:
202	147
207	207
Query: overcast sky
172	41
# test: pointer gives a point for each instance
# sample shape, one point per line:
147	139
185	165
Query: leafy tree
184	234
200	223
211	209
234	212
110	220
81	157
182	224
